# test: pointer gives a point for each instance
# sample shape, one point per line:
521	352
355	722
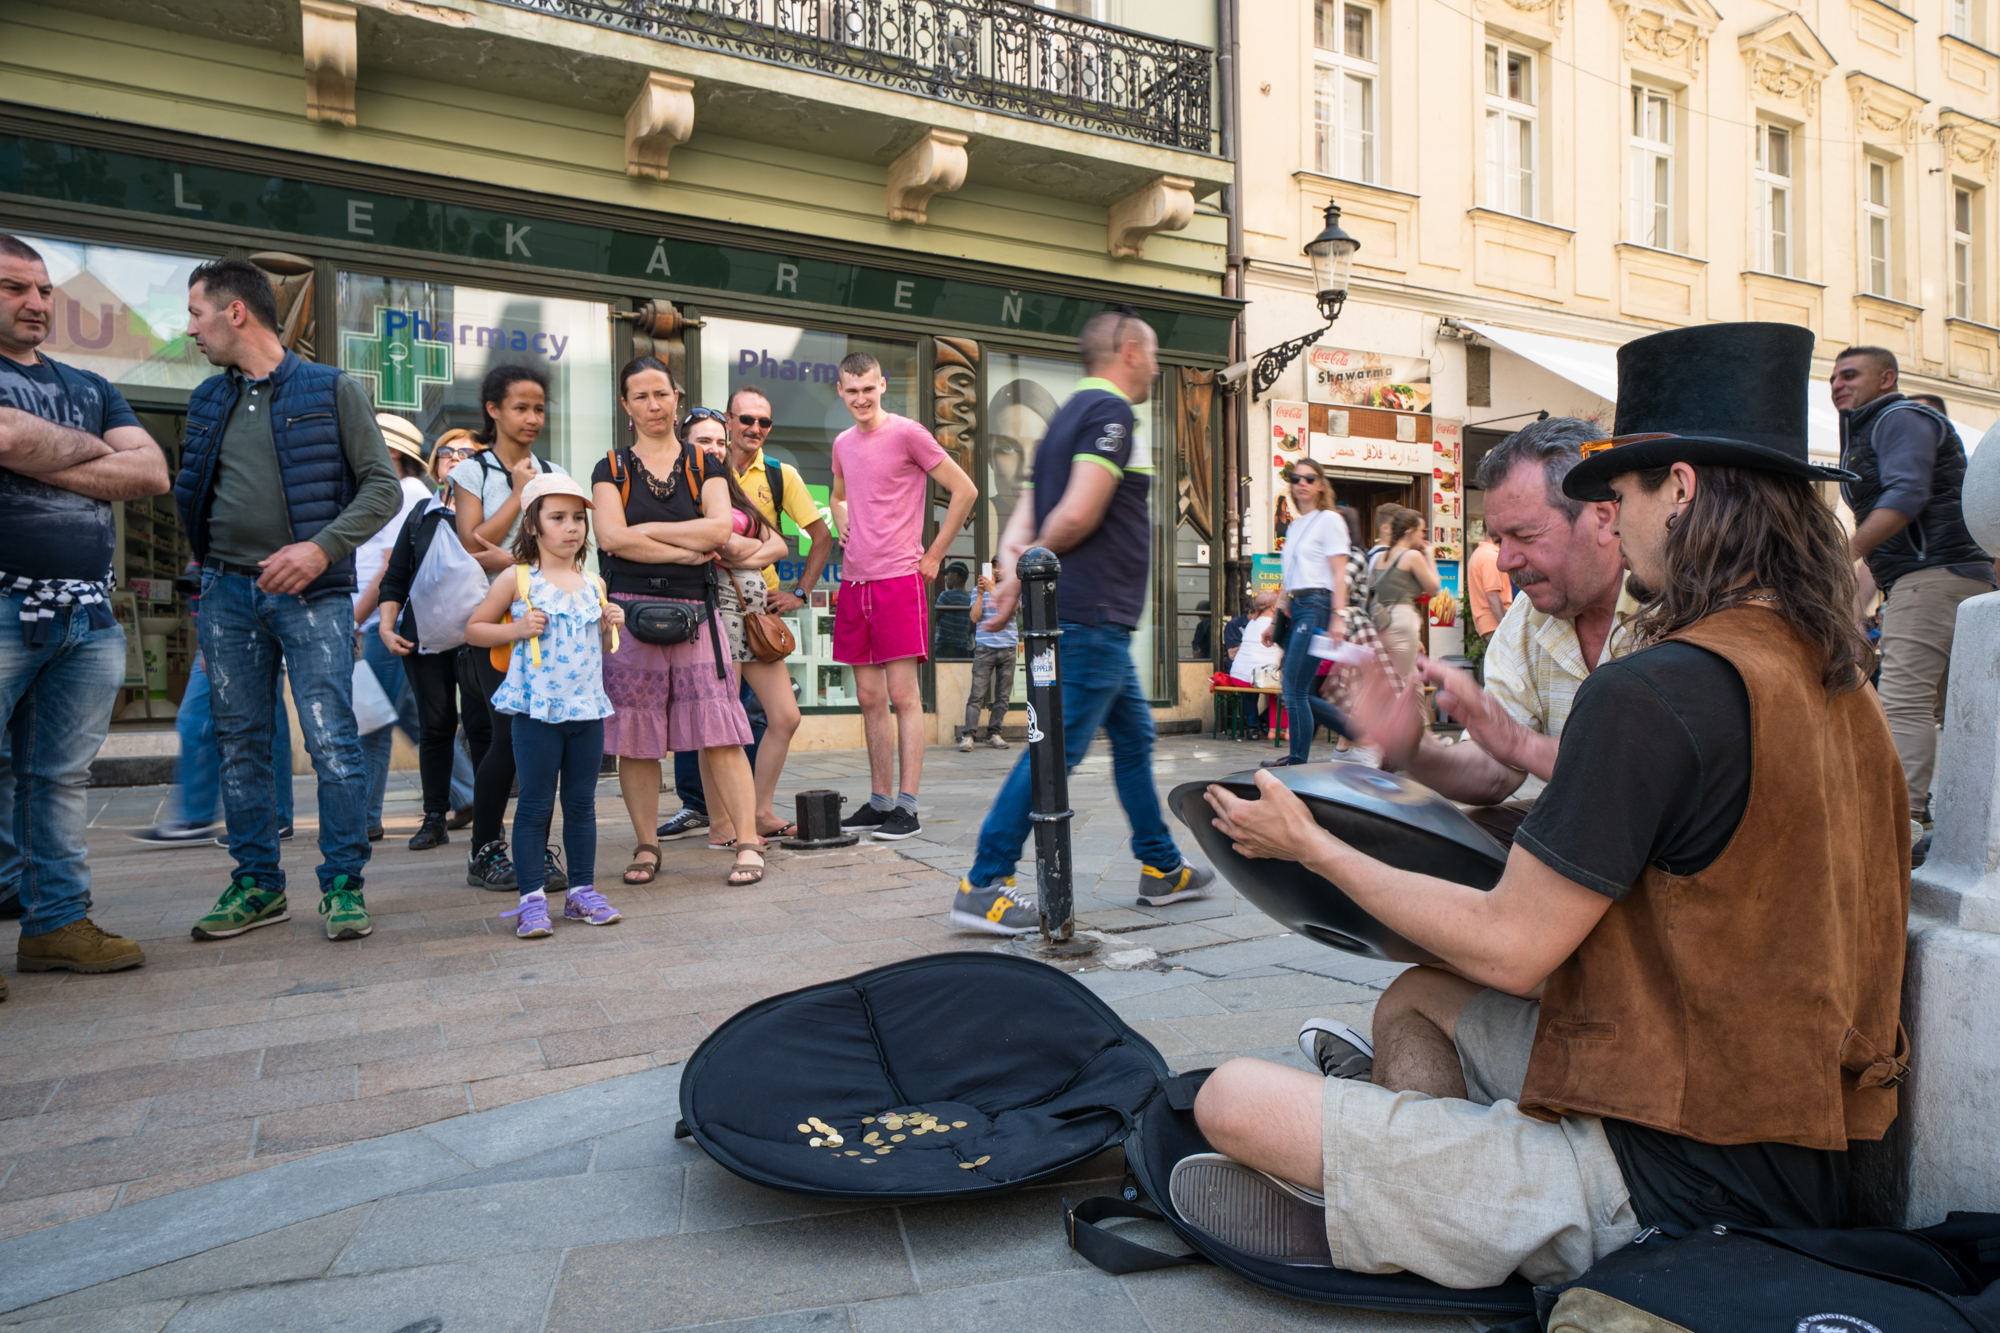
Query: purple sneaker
584	903
534	914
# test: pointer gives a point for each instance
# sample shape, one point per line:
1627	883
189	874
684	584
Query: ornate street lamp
1332	255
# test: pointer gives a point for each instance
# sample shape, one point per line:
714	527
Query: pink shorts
882	621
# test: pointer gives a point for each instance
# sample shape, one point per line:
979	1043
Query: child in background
554	691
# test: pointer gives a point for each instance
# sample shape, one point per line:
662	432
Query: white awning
1594	366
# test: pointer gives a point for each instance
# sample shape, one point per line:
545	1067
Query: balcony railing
1003	55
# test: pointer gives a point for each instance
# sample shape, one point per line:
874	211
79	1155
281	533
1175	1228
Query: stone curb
41	1265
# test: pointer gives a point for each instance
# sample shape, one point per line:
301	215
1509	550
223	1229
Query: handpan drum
1386	816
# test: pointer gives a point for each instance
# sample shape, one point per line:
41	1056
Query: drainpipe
1232	498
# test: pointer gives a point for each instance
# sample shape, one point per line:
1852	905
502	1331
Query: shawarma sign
1348	378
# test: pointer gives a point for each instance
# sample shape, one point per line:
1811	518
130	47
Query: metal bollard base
1053	951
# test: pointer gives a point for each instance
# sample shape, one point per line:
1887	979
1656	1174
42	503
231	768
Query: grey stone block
650	1144
527	1215
508	1133
1289	990
148	1318
573	1160
989	1240
503	1293
1112	987
717	1199
1178	1002
1224	959
1201	1300
835	1319
57	1260
711	1276
289	1254
1085	1302
1370	972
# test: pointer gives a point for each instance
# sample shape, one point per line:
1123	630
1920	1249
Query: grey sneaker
965	743
683	825
1251	1212
1184	884
179	835
995	741
997	909
1337	1050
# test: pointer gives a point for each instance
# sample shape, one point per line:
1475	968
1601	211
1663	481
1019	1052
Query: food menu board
1289	434
1348	378
1447	487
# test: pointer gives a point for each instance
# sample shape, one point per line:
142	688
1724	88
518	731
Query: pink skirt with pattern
667	695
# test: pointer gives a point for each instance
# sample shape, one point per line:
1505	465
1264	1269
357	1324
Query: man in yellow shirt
749	427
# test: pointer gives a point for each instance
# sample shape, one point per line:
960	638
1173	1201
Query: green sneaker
346	917
242	907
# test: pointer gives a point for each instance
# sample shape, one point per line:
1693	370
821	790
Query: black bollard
1048	774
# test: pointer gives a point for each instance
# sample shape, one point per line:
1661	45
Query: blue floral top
569	684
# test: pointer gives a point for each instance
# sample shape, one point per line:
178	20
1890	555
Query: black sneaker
866	817
431	835
1337	1050
683	825
557	880
490	868
897	825
284	835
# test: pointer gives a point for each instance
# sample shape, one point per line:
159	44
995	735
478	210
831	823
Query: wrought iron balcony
1003	55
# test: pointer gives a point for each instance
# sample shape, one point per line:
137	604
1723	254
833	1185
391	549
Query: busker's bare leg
907	696
1267	1116
1414	1022
871	691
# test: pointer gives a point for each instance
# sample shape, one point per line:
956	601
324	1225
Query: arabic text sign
1372	455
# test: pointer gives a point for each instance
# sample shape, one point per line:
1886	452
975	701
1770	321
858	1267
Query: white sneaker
965	743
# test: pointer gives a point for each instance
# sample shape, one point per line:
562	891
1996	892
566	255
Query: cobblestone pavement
444	1123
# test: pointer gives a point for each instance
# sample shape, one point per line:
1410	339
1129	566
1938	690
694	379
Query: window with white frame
1959	18
1512	102
1347	78
1965	210
1652	154
1877	227
1776	212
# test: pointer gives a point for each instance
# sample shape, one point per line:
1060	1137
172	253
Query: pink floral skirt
668	696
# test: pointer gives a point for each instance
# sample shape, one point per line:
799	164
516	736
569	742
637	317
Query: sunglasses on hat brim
1599	446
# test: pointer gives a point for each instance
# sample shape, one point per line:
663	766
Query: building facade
1534	182
752	188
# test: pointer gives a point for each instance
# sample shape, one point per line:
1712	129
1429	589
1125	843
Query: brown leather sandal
742	876
645	870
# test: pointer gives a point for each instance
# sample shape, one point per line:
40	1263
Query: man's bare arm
37	447
134	468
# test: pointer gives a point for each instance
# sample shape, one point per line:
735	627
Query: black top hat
1727	395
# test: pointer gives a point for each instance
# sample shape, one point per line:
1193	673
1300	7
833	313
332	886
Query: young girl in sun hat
554	691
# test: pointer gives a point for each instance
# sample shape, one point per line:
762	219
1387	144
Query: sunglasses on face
1295	478
761	423
452	453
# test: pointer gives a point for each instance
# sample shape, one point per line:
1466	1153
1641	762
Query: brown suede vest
1756	1001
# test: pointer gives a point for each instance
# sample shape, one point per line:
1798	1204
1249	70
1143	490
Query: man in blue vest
283	473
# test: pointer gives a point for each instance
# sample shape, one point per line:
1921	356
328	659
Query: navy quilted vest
1938	535
306	427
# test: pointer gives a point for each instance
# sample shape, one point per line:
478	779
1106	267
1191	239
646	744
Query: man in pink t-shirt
881	621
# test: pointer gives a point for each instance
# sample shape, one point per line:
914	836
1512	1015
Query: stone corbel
330	60
1167	204
935	164
659	120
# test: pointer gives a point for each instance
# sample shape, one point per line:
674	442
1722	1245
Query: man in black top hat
1678	1004
1909	467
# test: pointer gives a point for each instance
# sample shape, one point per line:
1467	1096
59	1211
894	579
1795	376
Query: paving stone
181	1020
836	1319
148	1318
381	1077
489	1093
711	1276
48	1210
1202	1299
1179	1002
493	1294
19	1099
1286	991
1083	1302
110	1161
266	1096
571	1160
45	1037
1225	959
526	1128
473	1031
57	1129
366	1118
69	1063
650	1144
396	1043
717	1199
989	1240
576	1048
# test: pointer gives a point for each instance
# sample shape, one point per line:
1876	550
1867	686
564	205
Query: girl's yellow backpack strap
521	587
605	603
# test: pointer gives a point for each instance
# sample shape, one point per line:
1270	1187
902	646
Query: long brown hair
527	538
1748	531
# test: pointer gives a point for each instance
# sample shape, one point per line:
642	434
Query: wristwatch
799	591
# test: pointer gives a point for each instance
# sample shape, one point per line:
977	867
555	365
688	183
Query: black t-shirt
1654	770
1104	576
53	533
659	499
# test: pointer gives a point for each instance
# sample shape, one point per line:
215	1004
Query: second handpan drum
1383	815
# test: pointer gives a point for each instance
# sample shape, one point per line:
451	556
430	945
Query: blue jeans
687	763
1305	711
544	752
1100	688
198	771
247	635
377	746
57	698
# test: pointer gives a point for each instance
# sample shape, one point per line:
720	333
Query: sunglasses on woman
704	414
455	453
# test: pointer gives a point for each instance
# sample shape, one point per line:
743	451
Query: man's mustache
1525	577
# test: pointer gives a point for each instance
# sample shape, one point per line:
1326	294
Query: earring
1671	520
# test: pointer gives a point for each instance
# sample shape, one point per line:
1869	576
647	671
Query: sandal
743	876
645	870
785	830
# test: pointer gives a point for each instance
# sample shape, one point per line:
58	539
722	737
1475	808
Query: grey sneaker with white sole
1337	1050
1247	1210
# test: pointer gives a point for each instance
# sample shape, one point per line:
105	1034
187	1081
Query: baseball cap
553	483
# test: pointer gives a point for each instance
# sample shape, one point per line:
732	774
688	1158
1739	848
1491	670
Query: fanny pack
666	623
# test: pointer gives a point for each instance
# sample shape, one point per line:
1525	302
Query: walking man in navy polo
1089	494
283	474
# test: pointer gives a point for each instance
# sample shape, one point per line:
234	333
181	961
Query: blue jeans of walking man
246	636
198	771
1100	688
57	697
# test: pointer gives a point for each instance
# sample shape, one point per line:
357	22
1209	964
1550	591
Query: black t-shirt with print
1655	771
658	499
53	533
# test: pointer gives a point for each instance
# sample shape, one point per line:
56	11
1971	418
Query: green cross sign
396	363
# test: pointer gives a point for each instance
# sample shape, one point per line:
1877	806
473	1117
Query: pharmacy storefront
419	286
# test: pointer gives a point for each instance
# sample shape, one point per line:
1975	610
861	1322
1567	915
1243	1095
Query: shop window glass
797	370
122	313
1198	629
422	349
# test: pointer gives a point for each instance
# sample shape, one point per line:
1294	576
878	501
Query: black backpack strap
774	477
716	632
1112	1252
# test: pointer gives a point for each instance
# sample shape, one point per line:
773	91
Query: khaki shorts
1468	1192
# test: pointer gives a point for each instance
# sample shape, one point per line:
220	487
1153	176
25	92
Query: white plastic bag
372	707
446	591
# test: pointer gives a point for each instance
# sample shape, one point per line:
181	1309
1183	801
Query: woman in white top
1315	573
